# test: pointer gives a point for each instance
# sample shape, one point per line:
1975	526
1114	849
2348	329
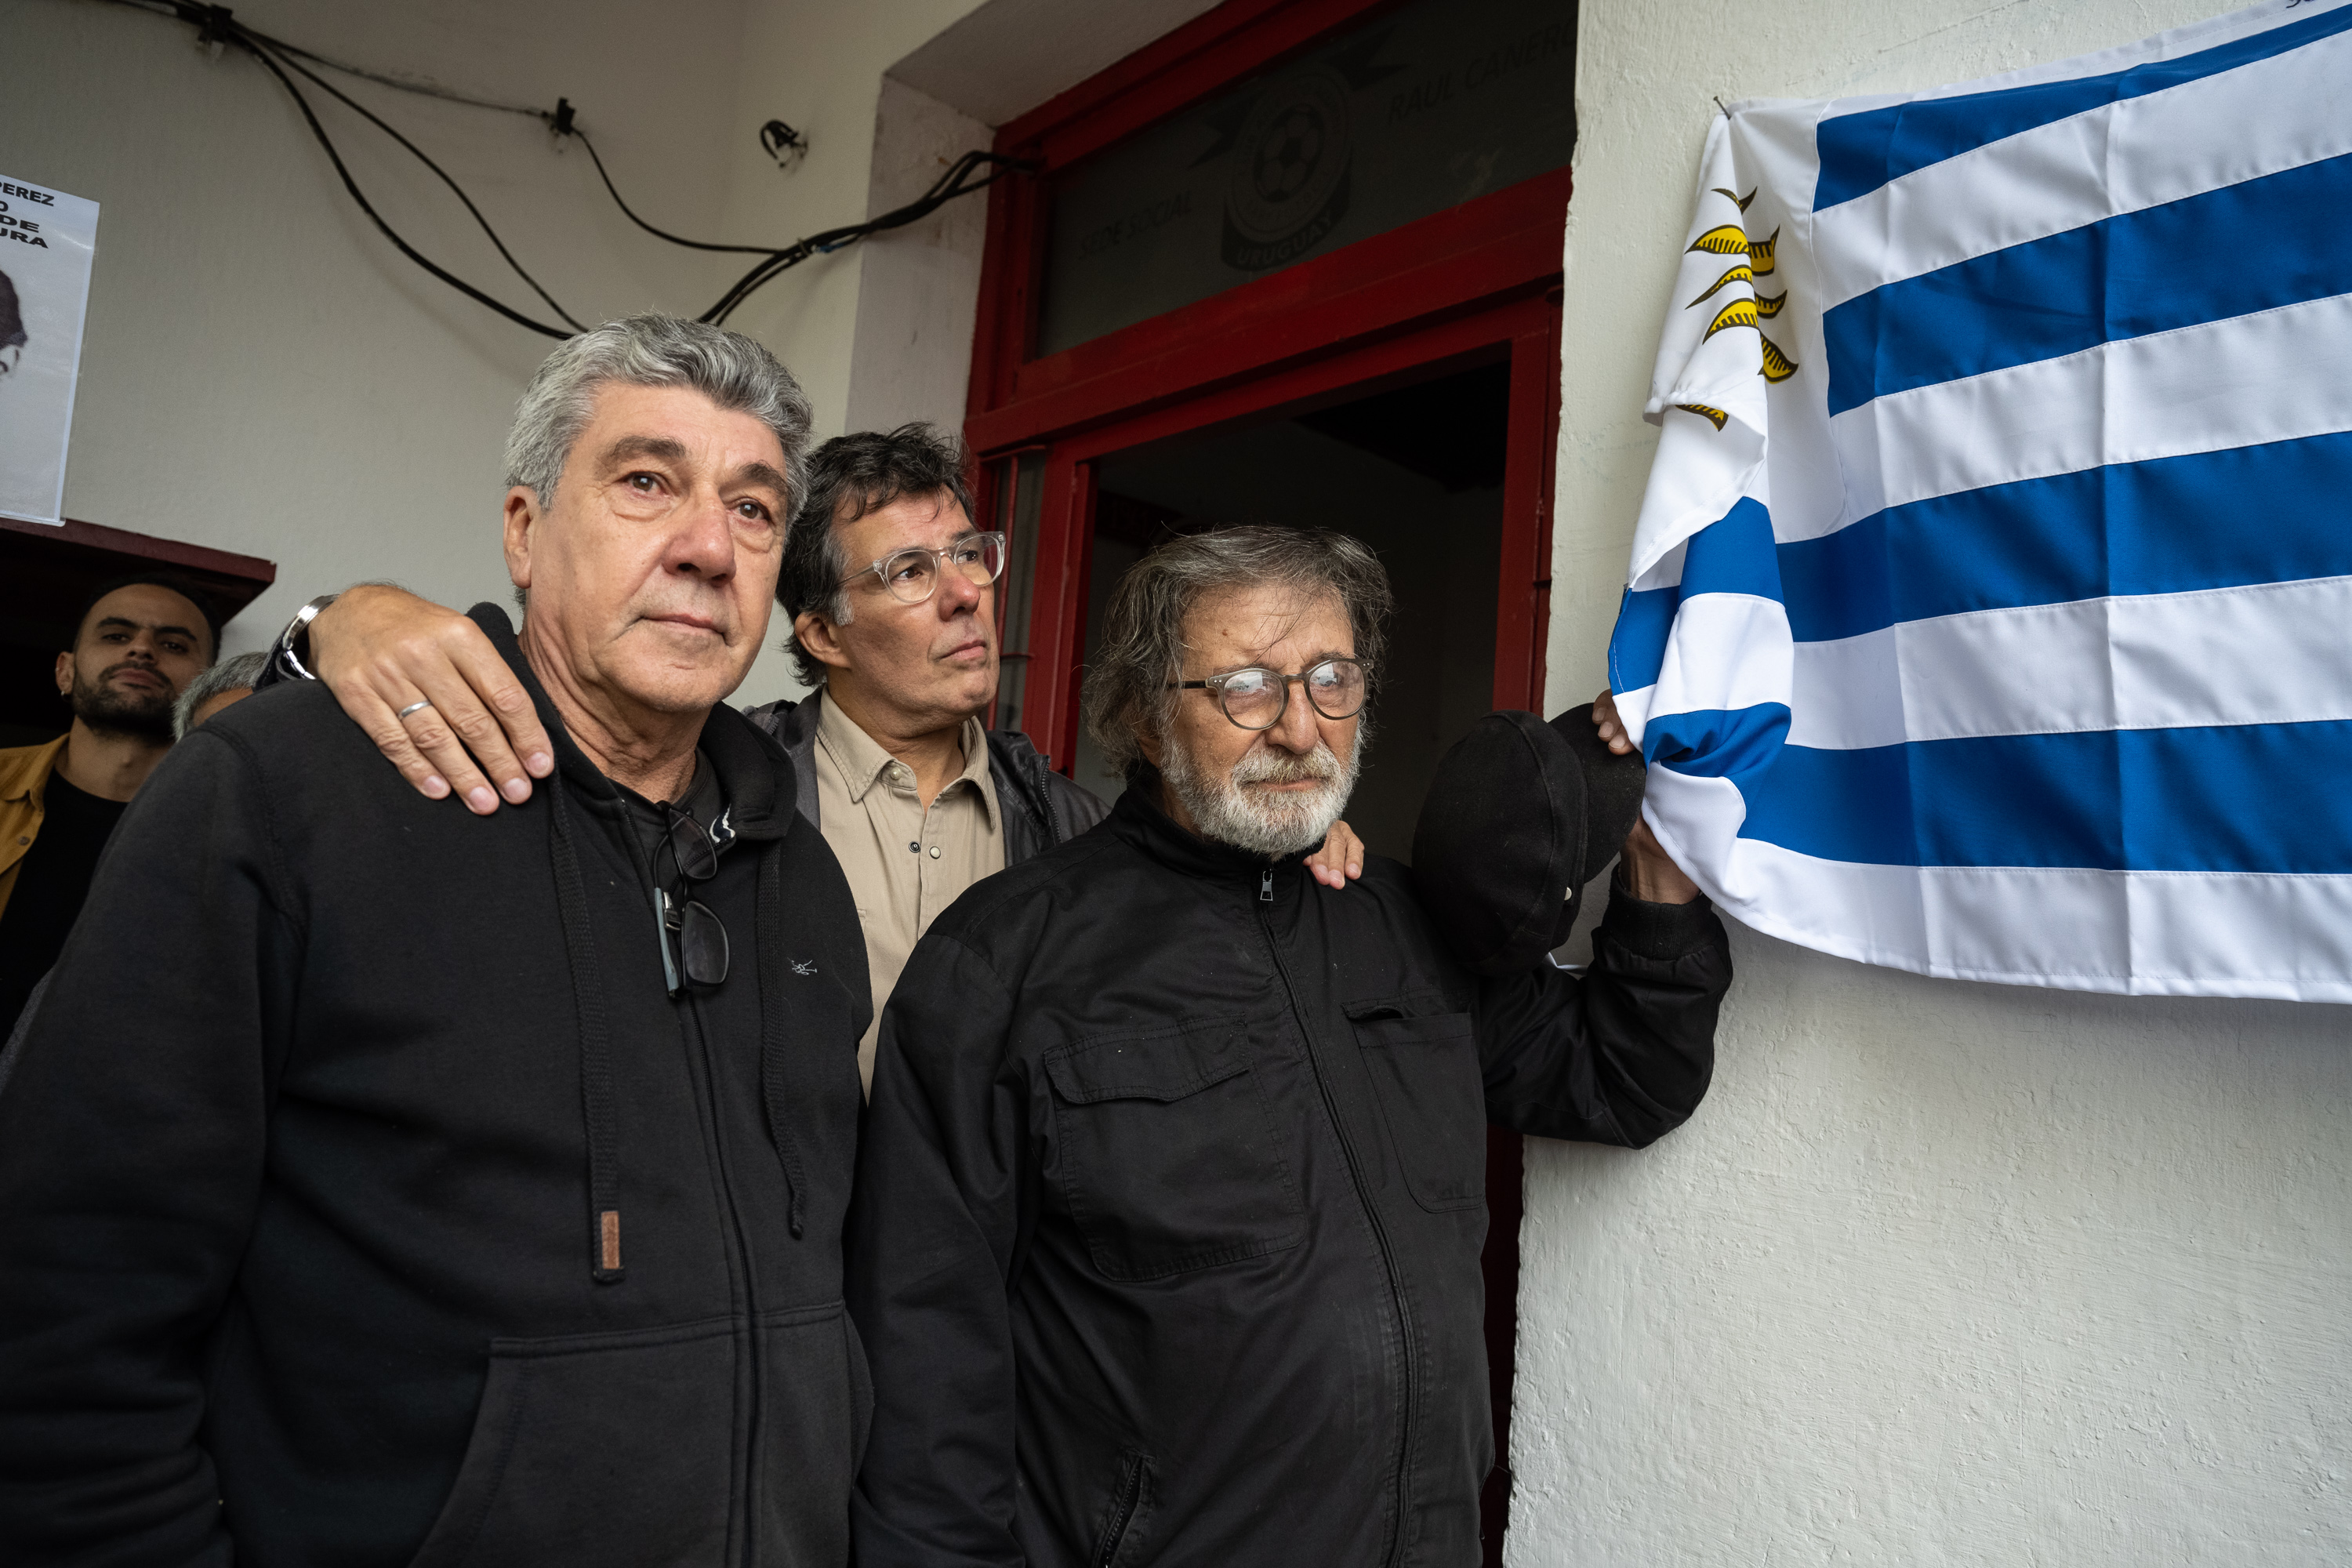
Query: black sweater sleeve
932	1249
131	1142
1623	1055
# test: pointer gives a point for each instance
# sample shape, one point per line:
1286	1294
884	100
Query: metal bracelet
298	631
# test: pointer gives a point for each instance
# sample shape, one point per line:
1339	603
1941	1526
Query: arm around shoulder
433	693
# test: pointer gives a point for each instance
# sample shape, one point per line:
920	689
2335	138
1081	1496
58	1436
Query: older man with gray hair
379	1185
1169	1207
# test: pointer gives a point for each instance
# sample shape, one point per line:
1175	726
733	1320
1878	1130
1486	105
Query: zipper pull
1265	887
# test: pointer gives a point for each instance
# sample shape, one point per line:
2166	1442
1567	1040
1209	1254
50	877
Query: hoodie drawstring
772	1045
595	1049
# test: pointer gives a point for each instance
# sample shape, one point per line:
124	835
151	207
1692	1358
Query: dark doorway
1416	472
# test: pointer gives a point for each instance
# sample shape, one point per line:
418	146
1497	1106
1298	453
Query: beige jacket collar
865	762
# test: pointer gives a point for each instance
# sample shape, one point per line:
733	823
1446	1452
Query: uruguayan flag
1990	609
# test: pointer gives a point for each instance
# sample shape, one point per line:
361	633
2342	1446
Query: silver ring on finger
417	707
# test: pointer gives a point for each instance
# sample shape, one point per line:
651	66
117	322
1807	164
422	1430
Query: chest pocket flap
1166	1067
1166	1152
1426	1071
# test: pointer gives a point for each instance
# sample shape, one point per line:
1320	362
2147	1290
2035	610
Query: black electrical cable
454	188
410	251
423	88
835	238
214	19
945	189
219	26
631	214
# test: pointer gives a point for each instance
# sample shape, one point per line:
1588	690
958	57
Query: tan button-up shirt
904	864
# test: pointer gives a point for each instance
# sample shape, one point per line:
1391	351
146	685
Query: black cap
1520	816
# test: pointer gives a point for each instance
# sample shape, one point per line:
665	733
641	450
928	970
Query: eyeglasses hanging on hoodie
693	939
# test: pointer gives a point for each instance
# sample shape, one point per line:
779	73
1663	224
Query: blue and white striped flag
1990	606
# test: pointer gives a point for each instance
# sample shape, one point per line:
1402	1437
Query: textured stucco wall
1941	1273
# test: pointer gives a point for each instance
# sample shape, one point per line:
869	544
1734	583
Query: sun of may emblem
1751	309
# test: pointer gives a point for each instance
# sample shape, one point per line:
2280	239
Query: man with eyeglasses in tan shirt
894	620
893	615
893	610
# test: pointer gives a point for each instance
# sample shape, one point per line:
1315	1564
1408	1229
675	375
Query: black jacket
1039	807
1172	1196
301	1167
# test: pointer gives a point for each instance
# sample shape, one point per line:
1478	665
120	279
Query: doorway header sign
1417	111
46	240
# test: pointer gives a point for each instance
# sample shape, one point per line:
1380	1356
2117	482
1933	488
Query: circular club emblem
1291	160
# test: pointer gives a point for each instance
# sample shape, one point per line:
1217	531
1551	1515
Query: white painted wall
1941	1273
263	374
919	286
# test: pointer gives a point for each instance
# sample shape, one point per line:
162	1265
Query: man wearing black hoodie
379	1185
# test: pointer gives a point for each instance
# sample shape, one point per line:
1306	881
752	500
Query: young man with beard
1168	1209
138	643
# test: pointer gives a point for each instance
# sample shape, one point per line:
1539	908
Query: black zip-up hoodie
1172	1196
306	1166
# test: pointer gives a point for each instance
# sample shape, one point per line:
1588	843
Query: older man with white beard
1165	1242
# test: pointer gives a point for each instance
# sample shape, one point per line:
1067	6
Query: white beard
1227	810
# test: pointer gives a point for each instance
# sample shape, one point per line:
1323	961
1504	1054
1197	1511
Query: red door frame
1469	284
1474	261
1526	330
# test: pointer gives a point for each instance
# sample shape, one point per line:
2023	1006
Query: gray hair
729	368
225	675
1142	645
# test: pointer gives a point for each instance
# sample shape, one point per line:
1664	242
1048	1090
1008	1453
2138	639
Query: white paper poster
45	240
